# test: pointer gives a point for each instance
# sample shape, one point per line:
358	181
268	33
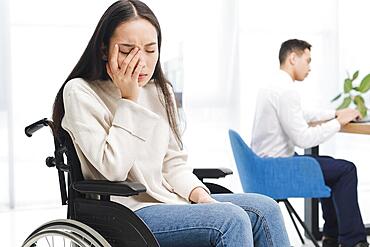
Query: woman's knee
269	208
234	216
256	204
230	225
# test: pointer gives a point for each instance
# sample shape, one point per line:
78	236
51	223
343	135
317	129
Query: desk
311	206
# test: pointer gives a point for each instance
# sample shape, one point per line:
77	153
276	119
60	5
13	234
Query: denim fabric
238	220
278	178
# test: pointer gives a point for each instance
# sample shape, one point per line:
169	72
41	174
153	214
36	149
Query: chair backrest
246	161
279	178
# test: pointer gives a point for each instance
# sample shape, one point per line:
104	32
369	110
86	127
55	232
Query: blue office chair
279	178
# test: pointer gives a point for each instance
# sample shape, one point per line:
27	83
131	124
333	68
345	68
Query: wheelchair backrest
74	174
72	160
64	147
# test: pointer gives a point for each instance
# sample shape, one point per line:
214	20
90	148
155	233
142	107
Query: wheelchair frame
92	219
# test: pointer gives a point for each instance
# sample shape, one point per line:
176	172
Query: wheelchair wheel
65	233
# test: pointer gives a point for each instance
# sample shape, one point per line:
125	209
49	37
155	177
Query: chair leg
294	223
310	235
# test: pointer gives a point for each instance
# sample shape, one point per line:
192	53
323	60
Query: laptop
363	120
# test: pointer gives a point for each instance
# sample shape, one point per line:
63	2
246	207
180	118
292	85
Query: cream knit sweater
117	139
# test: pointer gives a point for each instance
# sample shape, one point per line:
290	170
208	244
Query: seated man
281	124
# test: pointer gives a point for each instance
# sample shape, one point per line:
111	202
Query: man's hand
344	116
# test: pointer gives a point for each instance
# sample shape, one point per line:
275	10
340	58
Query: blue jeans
238	220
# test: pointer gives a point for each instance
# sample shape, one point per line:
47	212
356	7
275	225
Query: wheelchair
92	219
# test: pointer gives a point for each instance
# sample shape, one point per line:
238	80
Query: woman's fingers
127	61
113	60
132	64
109	71
128	65
138	69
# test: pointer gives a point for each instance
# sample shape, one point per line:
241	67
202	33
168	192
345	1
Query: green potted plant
353	93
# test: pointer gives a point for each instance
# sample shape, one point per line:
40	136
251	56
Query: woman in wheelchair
119	110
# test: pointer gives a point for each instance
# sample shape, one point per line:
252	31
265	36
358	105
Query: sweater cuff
328	114
135	119
190	186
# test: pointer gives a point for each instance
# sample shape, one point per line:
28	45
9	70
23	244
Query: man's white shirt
280	123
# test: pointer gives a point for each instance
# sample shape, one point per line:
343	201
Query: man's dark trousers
341	211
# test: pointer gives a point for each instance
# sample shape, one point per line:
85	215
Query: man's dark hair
292	45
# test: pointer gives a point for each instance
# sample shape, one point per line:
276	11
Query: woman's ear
104	52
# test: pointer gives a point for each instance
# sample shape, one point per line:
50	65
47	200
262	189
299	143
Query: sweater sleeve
295	126
178	173
109	145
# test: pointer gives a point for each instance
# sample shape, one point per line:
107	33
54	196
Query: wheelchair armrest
203	173
104	187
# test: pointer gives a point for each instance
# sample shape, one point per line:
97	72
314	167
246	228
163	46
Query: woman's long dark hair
91	66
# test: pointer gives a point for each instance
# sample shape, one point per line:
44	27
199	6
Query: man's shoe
330	242
359	244
362	244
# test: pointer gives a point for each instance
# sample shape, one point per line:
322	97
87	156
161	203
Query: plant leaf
365	84
356	88
360	103
347	85
336	97
346	102
359	100
362	109
355	75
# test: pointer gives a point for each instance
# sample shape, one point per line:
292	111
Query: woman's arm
110	145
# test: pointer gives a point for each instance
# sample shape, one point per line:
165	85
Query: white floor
16	225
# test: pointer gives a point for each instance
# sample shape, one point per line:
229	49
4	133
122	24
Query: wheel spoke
47	240
61	232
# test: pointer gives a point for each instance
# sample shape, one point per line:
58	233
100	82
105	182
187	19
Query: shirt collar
286	76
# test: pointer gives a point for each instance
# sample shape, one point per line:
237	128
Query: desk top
356	128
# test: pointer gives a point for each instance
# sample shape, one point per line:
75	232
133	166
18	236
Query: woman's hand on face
125	74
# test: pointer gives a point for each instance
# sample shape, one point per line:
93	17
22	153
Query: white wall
4	105
47	38
263	29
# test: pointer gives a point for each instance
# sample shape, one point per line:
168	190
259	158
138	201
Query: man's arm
313	115
292	120
344	116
